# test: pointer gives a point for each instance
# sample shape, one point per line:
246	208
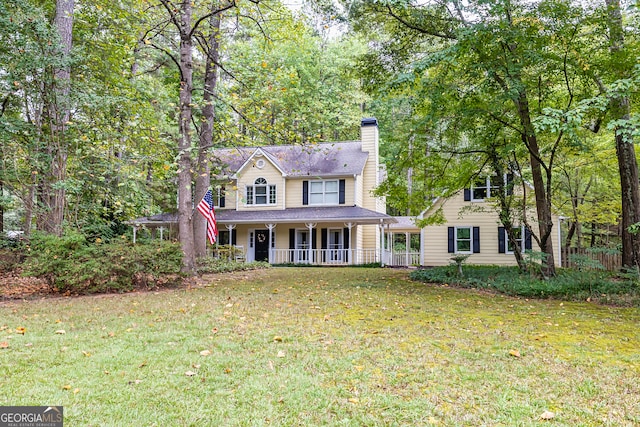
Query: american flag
205	207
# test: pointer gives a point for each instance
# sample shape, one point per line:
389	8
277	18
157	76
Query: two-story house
303	203
313	204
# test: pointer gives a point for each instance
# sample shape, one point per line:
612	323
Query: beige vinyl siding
247	177
483	216
230	194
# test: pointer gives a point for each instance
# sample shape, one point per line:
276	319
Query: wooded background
109	110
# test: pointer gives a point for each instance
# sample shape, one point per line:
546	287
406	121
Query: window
486	187
522	236
518	233
335	244
302	245
261	193
464	240
323	192
219	197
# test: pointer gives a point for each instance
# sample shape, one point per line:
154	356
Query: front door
262	245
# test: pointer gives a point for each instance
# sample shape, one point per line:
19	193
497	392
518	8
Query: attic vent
260	163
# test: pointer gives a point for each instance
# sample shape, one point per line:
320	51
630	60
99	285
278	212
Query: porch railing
325	256
406	259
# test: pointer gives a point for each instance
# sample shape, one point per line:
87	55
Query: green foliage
72	264
569	284
221	265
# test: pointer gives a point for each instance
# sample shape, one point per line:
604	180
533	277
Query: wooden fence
574	257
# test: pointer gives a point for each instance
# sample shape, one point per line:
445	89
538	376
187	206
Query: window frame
456	239
508	248
324	192
261	190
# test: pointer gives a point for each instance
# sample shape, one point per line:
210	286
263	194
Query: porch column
407	247
135	230
161	232
382	248
310	226
272	241
350	225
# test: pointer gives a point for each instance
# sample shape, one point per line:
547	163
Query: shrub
71	264
221	265
569	284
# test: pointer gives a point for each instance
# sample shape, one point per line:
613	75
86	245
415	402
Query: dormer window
261	193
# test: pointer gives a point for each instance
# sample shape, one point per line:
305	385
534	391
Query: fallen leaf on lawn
514	353
195	366
21	330
190	373
66	387
61	332
547	415
86	354
143	364
76	390
205	353
214	331
281	354
29	344
354	400
4	344
277	338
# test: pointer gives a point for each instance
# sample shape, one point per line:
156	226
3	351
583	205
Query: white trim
455	239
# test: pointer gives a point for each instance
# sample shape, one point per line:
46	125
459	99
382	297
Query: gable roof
327	159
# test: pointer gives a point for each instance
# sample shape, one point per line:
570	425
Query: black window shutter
452	244
222	196
342	191
476	240
233	236
324	238
502	247
467	194
314	237
527	238
292	238
305	192
509	184
345	236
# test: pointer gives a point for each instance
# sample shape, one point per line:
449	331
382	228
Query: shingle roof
354	214
328	159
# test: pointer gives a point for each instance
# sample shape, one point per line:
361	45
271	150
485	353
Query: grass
319	346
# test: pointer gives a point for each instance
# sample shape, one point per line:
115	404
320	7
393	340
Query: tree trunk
203	168
52	195
185	199
543	200
625	151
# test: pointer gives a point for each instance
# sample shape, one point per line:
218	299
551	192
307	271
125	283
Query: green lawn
321	346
